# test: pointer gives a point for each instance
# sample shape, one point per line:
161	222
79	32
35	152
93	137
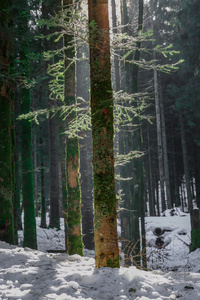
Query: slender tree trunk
6	103
85	145
18	173
165	153
138	176
53	171
74	235
185	163
151	189
116	61
43	223
105	218
126	68
159	139
175	182
35	173
53	132
30	238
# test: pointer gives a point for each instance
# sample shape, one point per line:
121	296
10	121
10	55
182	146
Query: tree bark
159	138
30	238
165	153
85	145
105	215
116	61
74	236
185	163
195	229
6	103
53	131
43	223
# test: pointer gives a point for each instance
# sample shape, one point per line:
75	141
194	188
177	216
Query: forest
99	122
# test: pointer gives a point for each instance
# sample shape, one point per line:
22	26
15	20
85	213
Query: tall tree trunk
85	144
175	182
126	68
151	188
53	171
35	173
116	61
165	152
138	176
105	215
30	238
74	236
43	223
53	131
159	139
185	163
18	173
6	103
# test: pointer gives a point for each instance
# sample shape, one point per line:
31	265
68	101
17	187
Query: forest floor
37	275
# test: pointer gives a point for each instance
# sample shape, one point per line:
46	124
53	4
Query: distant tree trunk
165	153
175	182
151	189
53	171
18	173
125	68
62	154
43	223
30	238
85	144
116	61
105	219
53	130
74	236
6	103
185	163
159	139
138	176
35	173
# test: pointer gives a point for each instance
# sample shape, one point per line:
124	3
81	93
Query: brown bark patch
3	91
73	171
106	241
75	230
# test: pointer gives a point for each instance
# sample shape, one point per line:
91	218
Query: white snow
34	275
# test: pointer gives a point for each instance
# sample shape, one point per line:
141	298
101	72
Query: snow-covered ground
34	275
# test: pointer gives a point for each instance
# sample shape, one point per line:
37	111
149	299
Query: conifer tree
105	215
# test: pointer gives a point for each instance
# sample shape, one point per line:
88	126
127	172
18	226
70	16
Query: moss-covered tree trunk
74	236
105	215
6	100
30	238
